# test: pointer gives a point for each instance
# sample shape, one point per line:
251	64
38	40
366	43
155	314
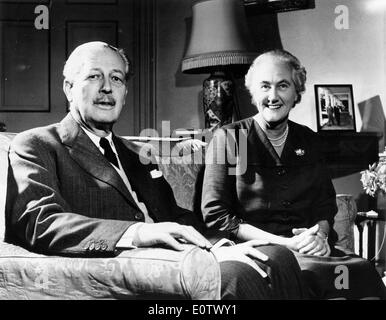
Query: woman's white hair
299	73
75	60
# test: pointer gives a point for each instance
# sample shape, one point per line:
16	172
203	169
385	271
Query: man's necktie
109	153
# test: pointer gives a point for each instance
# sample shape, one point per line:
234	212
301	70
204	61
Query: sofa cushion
185	176
140	273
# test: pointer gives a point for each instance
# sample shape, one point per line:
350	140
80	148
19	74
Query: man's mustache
105	100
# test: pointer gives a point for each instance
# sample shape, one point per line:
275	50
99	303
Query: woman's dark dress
277	194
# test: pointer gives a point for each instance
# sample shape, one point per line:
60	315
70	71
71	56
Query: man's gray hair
299	73
75	61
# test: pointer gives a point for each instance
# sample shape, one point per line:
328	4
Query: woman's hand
310	241
322	248
301	238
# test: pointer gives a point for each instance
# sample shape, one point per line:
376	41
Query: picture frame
335	107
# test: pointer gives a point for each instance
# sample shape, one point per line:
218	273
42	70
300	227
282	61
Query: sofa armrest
146	273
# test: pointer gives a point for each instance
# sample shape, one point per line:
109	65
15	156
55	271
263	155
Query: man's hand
243	252
311	241
169	233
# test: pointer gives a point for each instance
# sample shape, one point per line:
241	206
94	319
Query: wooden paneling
128	24
145	65
80	32
24	67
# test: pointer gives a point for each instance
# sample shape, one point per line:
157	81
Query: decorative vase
218	100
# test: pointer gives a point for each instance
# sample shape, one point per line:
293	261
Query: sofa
145	273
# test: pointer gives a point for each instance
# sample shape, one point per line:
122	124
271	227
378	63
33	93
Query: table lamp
220	45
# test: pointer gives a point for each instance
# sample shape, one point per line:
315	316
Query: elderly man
77	189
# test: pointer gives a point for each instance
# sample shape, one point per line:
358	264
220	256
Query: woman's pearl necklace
283	136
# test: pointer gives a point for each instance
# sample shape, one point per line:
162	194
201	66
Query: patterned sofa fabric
185	176
134	274
141	273
345	221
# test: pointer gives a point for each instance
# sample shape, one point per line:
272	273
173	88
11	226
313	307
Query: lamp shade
219	37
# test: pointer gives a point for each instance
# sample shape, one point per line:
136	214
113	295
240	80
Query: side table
370	219
361	219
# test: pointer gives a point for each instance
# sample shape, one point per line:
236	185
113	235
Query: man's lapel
88	156
139	175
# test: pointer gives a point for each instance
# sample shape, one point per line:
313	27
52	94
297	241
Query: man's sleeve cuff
222	243
126	241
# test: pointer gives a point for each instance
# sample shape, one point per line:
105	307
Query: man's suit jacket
64	197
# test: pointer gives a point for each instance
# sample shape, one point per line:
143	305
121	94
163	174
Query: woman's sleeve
219	186
324	207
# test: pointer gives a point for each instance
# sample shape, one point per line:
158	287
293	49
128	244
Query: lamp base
218	100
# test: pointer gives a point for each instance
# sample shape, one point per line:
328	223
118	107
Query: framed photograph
335	107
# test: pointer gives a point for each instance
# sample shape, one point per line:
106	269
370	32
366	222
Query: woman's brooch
299	152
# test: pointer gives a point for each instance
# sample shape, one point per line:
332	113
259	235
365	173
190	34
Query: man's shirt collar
96	139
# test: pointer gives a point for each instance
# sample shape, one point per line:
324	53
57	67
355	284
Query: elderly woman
279	189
